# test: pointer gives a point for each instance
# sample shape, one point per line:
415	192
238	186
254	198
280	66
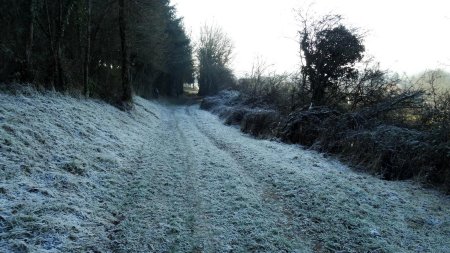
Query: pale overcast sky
404	36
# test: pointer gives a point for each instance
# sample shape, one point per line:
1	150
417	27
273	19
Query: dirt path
205	187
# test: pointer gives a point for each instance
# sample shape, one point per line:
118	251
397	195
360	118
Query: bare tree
259	69
431	78
214	55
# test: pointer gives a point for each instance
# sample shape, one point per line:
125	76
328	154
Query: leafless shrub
378	138
261	123
226	97
234	116
305	126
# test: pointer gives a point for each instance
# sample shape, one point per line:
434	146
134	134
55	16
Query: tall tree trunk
59	34
126	85
51	38
318	92
87	50
29	43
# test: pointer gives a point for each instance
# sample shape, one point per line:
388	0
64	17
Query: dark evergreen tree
167	63
101	48
330	51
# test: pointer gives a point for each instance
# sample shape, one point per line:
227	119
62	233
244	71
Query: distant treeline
101	48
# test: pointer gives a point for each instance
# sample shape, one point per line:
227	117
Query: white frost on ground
63	163
81	176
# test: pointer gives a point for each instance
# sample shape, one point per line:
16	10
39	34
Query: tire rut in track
160	208
267	197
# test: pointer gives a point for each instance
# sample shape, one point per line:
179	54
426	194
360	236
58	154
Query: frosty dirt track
170	178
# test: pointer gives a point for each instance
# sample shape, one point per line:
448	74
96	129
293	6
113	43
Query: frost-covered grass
62	166
82	176
328	206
